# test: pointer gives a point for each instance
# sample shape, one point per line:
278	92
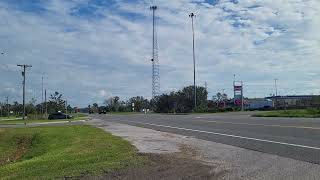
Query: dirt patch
164	167
22	146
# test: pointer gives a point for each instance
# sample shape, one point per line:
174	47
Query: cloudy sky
93	49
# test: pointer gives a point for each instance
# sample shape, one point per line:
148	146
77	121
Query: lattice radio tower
155	60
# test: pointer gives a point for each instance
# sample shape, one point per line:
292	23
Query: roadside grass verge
302	113
59	152
10	117
20	121
125	113
79	116
76	117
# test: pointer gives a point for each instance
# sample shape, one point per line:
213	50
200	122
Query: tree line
55	103
181	101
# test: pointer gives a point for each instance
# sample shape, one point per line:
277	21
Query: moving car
59	115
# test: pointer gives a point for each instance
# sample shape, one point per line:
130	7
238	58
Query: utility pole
8	107
45	102
24	66
66	106
192	16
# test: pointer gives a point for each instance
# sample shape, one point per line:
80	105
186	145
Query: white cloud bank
86	56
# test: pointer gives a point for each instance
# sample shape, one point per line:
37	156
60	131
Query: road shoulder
228	162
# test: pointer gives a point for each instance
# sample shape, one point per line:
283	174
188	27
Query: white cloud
257	40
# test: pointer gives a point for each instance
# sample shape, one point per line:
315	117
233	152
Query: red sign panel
238	88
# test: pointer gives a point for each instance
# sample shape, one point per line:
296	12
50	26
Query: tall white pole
275	85
192	15
42	103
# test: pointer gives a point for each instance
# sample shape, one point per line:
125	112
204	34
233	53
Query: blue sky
93	49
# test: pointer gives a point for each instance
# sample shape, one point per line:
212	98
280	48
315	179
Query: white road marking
266	125
230	135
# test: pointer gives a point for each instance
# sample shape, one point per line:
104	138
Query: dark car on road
59	115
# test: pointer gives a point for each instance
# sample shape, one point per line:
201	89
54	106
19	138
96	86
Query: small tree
112	103
56	103
139	103
95	108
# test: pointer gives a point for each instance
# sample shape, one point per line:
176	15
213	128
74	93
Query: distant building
258	104
292	102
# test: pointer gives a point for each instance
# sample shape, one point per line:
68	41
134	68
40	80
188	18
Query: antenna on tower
155	60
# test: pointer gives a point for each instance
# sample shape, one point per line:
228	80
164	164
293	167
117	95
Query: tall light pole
42	95
192	16
234	92
45	102
275	86
24	66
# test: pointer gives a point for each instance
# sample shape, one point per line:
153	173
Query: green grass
20	121
76	117
10	117
125	113
79	116
57	152
302	113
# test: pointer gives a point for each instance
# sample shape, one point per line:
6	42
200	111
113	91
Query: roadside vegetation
175	102
10	117
76	117
307	113
62	152
36	110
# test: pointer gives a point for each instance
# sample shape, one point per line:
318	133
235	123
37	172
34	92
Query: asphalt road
297	138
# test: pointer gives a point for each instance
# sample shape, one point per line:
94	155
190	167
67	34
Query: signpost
238	94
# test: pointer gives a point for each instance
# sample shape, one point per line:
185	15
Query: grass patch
79	116
126	113
20	121
10	117
302	113
76	117
57	152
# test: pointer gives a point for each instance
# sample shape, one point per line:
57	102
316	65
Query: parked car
59	115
